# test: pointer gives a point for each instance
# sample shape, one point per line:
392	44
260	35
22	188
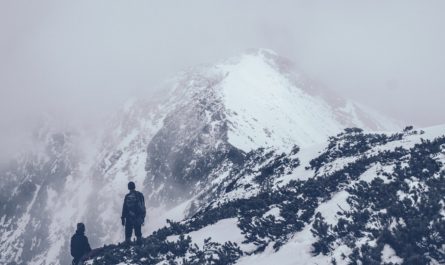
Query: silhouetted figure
79	244
133	213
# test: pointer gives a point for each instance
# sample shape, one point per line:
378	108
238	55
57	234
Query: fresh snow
220	232
296	251
389	255
275	212
302	172
336	204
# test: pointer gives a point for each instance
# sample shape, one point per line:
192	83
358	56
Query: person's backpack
134	204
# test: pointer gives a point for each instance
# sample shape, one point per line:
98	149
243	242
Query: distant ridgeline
366	198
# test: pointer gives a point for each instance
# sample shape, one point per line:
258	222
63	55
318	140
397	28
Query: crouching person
80	247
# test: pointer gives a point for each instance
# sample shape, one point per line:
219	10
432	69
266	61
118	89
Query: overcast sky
79	59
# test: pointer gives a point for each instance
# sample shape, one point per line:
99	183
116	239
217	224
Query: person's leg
128	231
138	232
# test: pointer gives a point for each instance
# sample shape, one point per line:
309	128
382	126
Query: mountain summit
218	113
267	103
281	108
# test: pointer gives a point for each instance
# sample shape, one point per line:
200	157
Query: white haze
81	59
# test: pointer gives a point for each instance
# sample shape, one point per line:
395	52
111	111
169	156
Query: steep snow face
268	107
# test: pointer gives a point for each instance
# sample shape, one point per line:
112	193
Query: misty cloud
81	59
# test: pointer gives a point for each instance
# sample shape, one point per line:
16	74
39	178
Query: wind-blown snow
266	109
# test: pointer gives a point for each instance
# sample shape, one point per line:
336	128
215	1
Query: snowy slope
370	199
303	241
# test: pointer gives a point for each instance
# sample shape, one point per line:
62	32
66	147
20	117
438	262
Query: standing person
79	244
133	213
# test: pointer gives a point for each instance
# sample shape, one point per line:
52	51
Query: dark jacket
79	245
134	206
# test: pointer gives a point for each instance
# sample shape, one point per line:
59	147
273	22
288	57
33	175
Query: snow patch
330	208
389	255
220	232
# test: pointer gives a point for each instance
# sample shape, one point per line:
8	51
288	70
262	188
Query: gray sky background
80	59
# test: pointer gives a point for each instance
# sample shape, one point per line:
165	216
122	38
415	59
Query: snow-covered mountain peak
267	103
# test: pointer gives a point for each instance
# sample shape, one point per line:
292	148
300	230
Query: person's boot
128	241
139	241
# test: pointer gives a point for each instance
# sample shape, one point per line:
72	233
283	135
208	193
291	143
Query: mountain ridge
369	209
